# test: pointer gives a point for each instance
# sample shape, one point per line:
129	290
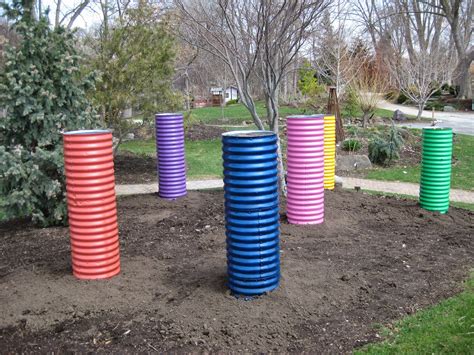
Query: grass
203	158
237	113
463	205
383	113
462	171
447	328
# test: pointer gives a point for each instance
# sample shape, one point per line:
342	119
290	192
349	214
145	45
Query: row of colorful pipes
250	191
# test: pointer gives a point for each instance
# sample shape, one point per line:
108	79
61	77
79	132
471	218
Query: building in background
219	96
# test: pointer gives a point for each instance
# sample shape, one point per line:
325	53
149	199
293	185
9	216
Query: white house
231	93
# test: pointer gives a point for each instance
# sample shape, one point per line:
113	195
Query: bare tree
67	15
459	15
190	56
255	37
197	70
421	25
421	28
376	19
332	55
421	75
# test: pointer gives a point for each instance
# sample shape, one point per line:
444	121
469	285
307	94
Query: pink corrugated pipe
305	179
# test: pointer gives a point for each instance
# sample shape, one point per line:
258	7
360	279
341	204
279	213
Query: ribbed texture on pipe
170	154
251	211
305	178
92	210
435	182
329	152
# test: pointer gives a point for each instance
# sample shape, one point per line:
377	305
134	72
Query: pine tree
43	93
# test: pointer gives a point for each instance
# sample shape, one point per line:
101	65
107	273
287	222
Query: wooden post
333	109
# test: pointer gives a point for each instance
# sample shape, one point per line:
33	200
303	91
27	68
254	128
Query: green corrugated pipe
435	179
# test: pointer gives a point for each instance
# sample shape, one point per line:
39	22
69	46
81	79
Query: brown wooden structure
333	109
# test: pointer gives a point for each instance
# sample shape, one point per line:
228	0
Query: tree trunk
463	78
281	168
186	81
365	119
333	109
28	10
58	13
272	117
421	105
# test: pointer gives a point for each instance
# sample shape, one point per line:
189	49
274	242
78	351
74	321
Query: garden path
138	189
404	188
348	182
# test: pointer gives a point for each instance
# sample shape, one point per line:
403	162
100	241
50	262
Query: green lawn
384	113
237	113
381	112
462	173
447	328
203	158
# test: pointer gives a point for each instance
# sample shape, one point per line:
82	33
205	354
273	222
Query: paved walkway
460	122
404	188
138	189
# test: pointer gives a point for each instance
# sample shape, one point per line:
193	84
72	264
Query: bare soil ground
373	260
134	169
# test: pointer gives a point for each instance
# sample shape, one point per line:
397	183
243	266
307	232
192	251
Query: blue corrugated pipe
251	211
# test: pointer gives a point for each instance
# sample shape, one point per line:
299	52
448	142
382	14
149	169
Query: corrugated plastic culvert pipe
251	211
92	210
170	154
305	161
435	182
329	152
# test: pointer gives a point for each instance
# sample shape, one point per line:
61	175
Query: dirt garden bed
374	260
134	169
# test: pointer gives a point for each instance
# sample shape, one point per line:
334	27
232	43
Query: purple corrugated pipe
170	154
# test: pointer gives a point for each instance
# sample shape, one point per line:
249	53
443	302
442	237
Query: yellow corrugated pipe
329	152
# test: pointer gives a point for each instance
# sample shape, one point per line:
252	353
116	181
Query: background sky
88	18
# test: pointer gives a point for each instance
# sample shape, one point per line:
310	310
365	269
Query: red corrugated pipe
92	209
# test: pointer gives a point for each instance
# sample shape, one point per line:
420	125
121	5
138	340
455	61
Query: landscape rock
449	109
352	162
399	116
